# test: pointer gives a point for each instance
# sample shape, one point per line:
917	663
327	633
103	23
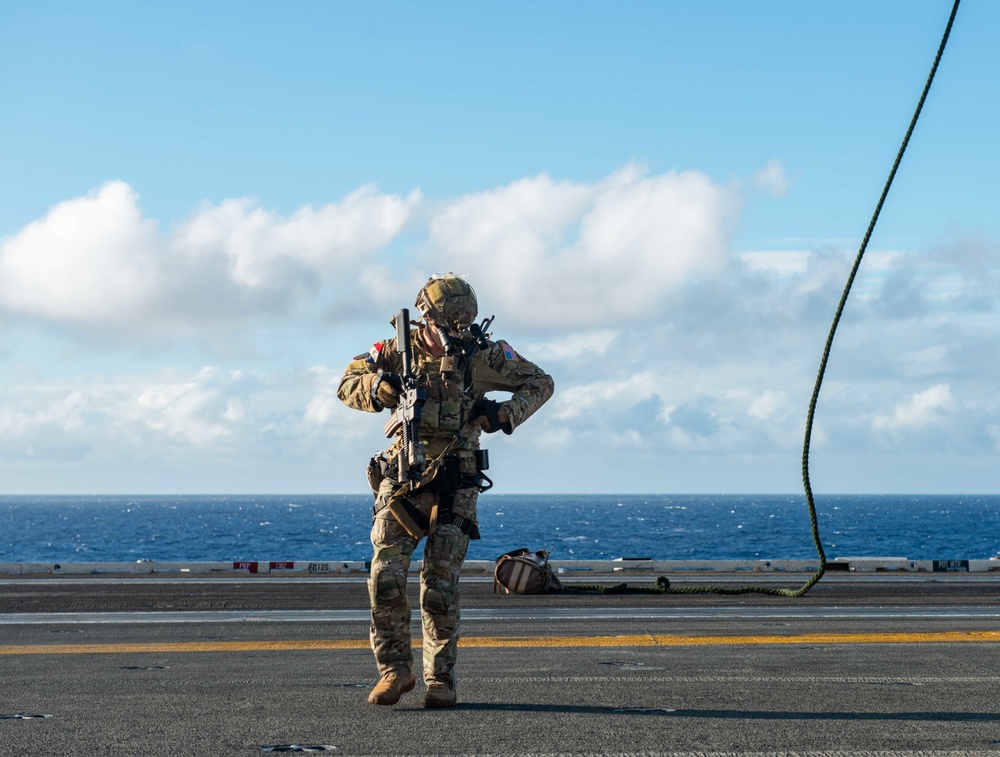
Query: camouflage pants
444	552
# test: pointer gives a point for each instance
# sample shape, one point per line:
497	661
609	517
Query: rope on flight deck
826	357
662	584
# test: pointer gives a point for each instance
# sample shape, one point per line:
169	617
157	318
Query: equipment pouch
376	472
450	415
409	517
482	460
477	478
431	412
524	572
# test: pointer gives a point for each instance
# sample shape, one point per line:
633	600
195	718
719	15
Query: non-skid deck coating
876	664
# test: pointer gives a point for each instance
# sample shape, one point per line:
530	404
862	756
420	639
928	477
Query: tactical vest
448	403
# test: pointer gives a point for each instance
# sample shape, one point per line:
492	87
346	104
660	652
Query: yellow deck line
646	640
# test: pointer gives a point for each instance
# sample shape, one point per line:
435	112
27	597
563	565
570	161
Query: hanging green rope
840	309
662	584
822	370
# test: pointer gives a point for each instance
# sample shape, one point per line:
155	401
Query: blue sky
209	208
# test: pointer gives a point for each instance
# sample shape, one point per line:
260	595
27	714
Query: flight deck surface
878	663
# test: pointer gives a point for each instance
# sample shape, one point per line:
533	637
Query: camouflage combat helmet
448	299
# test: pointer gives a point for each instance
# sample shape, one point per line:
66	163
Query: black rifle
412	455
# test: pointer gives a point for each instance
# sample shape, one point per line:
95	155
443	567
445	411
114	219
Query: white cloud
327	416
768	405
924	409
993	432
194	411
555	439
785	262
95	262
602	396
771	178
263	249
210	411
575	346
547	254
622	288
585	256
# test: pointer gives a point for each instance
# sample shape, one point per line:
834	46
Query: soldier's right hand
386	389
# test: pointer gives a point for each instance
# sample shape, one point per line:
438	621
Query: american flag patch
508	352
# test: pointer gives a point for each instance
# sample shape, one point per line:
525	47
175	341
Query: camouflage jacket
449	402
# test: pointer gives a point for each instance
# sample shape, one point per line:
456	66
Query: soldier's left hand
491	416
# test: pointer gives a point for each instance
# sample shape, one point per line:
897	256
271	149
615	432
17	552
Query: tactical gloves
492	416
385	389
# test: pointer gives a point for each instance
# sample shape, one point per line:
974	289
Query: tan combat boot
439	694
392	686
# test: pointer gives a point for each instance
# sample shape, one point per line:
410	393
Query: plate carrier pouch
524	572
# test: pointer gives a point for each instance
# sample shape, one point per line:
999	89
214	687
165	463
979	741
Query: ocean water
663	527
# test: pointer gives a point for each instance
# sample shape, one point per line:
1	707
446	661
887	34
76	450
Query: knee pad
446	545
385	586
436	602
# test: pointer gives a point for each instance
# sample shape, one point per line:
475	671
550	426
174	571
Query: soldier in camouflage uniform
454	415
